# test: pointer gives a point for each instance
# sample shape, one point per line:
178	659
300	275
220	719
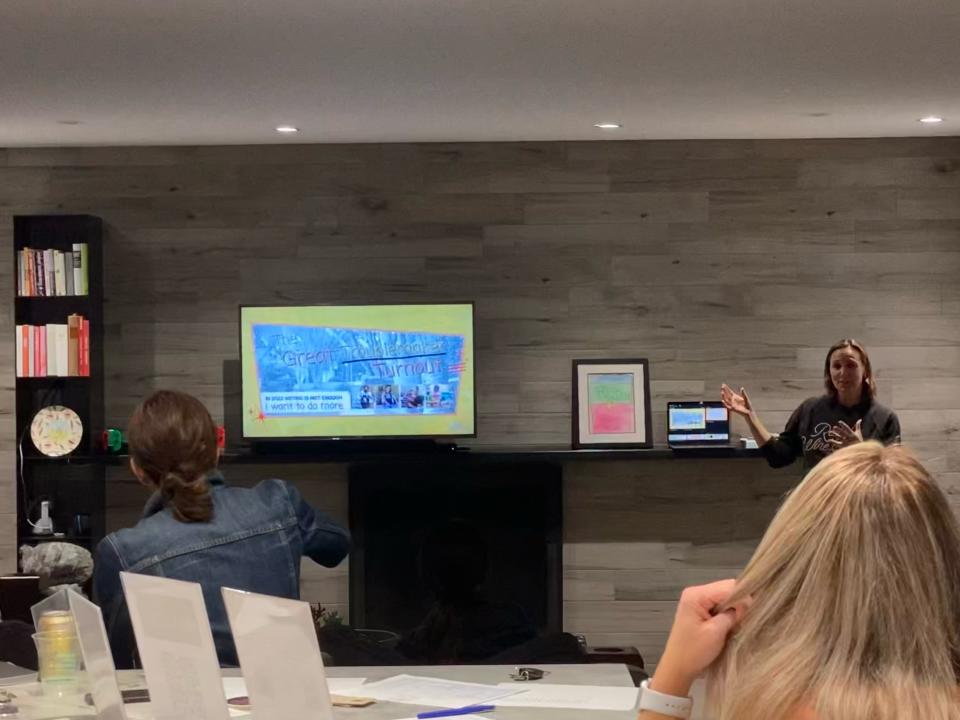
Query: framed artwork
611	404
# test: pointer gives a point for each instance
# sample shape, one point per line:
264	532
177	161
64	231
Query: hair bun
190	499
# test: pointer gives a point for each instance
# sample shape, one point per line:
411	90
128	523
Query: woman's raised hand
738	403
698	635
841	434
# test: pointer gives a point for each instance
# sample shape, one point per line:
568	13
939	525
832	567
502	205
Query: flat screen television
357	371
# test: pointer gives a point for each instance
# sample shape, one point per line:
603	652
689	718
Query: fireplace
460	558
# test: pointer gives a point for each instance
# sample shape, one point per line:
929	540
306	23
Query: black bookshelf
73	489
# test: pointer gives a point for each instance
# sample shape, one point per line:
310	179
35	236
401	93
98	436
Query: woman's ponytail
189	499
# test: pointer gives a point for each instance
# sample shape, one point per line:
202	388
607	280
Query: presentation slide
716	414
693	418
357	371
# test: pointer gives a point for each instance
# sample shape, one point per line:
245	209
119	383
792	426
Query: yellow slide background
441	319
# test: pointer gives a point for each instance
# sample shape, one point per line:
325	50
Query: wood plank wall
729	260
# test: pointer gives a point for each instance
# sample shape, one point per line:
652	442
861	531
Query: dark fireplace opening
458	562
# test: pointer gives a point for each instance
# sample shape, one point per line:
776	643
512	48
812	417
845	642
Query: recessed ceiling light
931	119
607	125
287	129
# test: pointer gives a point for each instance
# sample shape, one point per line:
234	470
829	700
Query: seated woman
848	610
197	528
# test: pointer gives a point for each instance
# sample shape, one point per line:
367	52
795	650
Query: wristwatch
671	705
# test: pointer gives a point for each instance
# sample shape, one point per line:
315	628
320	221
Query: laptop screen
695	422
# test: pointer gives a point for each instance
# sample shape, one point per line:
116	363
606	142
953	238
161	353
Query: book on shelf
41	335
60	273
84	365
21	274
21	343
80	263
53	273
49	275
73	345
39	276
54	350
68	272
30	351
52	367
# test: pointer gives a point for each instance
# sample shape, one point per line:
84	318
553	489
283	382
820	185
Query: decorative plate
56	430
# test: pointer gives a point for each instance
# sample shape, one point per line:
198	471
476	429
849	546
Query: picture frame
611	404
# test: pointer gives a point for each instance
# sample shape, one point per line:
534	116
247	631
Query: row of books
49	273
54	349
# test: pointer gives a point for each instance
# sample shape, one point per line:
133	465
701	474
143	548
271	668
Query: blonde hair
854	599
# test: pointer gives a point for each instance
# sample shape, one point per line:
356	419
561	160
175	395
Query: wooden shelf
52	377
241	456
76	539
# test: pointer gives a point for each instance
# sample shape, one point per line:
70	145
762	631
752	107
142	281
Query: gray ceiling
115	72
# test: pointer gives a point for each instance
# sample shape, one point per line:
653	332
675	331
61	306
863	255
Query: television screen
357	371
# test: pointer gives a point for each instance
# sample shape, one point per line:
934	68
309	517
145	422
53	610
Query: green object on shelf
113	440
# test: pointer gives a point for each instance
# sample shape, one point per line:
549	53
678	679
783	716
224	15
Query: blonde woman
848	610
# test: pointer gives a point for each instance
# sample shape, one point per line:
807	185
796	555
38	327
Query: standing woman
846	414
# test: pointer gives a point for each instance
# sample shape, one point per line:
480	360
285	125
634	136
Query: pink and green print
611	402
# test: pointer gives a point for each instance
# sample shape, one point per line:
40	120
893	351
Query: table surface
616	675
600	674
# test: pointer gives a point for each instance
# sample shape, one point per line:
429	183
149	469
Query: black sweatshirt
806	430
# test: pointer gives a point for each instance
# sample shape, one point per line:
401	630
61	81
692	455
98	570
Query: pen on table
450	712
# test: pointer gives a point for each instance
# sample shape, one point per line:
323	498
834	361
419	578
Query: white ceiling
228	71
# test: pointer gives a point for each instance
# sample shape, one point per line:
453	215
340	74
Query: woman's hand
841	434
697	638
738	403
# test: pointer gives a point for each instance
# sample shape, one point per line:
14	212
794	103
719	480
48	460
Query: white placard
97	657
279	656
176	648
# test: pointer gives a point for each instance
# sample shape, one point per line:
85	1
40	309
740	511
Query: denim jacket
253	542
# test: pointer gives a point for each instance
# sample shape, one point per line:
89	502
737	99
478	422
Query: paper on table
237	686
462	717
143	711
346	686
234	687
11	674
581	697
416	690
140	711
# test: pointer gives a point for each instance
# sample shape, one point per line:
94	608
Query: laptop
697	424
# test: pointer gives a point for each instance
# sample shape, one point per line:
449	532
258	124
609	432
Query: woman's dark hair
869	382
173	441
